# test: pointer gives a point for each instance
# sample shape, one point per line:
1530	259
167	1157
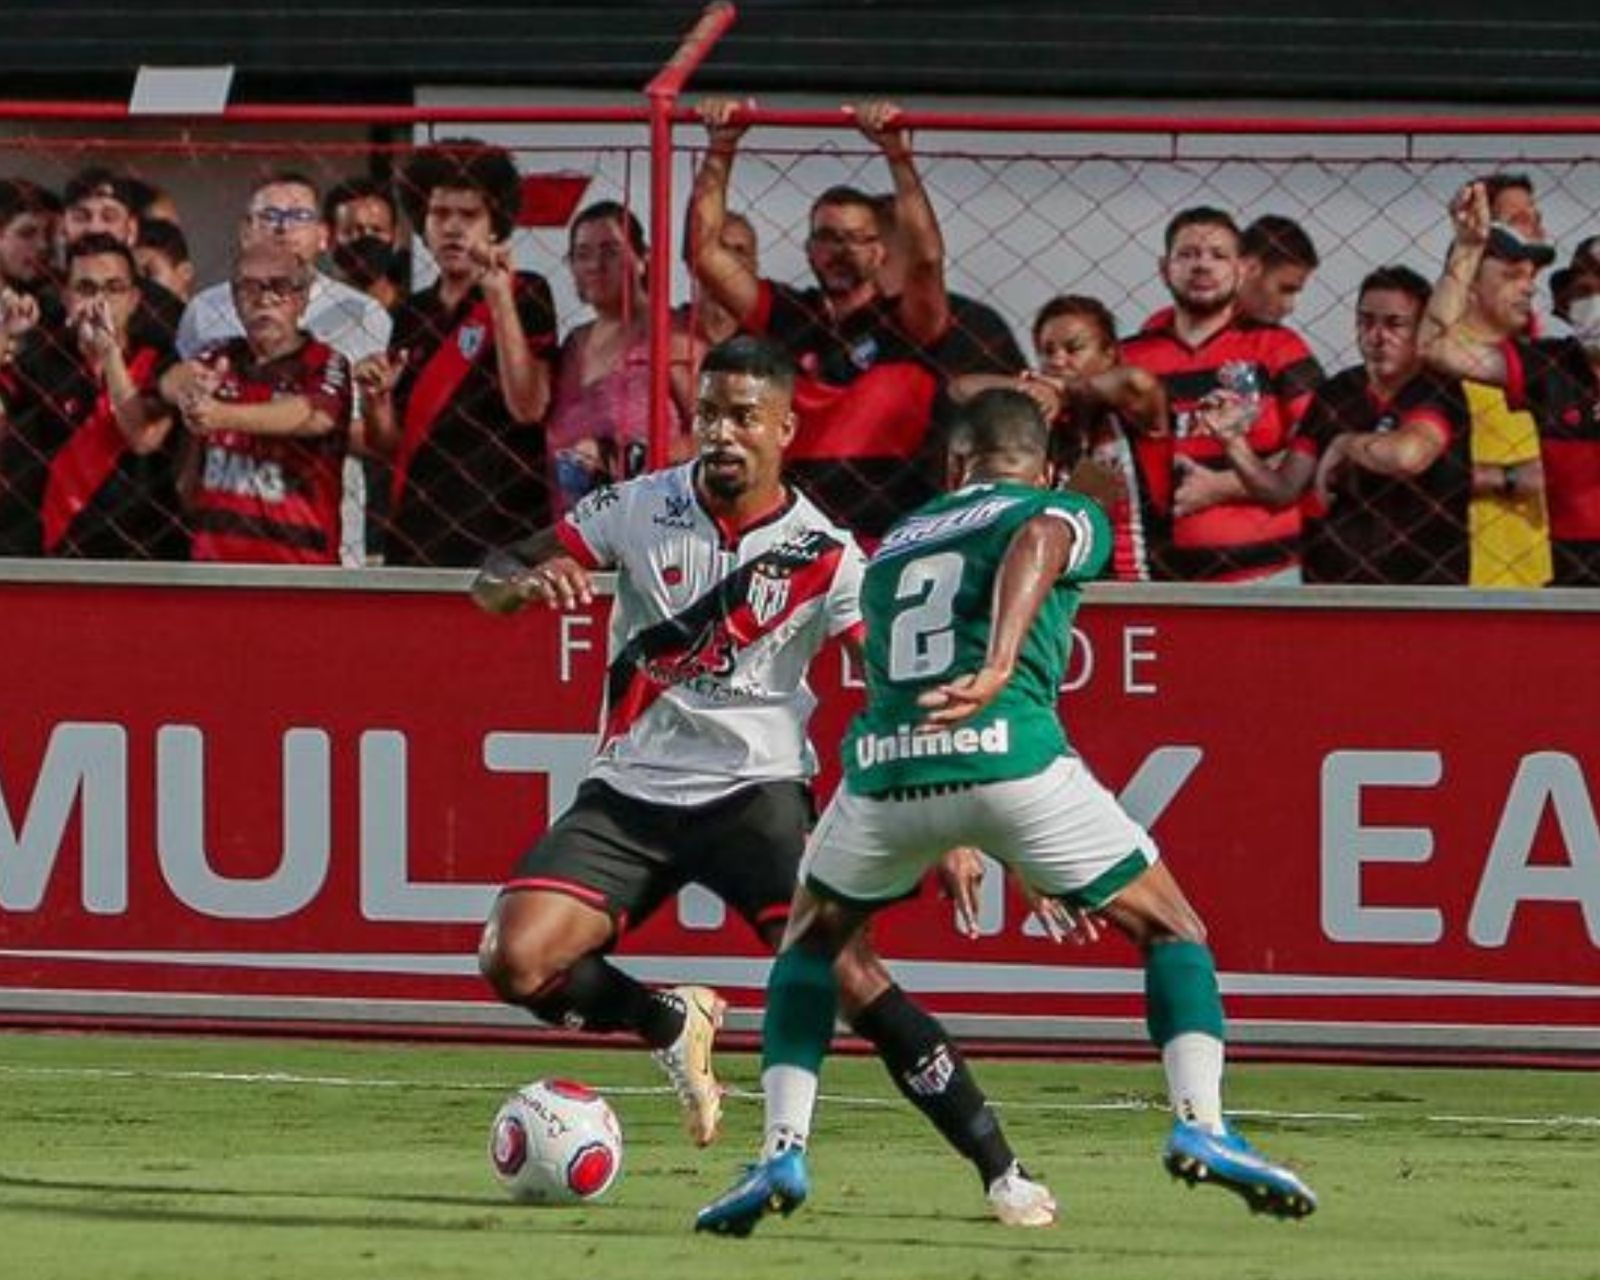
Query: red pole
662	93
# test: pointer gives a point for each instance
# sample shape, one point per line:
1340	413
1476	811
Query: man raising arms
866	392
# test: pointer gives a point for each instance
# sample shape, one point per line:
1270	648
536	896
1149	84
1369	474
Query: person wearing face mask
364	239
598	428
1556	379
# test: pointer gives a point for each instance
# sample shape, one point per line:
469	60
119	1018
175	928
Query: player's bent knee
527	944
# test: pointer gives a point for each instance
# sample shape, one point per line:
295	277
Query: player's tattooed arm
1038	554
537	568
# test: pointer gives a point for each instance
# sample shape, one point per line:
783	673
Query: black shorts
627	856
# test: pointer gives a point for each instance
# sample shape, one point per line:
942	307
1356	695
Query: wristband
1508	483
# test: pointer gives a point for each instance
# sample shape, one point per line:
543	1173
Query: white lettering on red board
1545	780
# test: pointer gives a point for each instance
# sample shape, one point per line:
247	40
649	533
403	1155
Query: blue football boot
1225	1159
778	1185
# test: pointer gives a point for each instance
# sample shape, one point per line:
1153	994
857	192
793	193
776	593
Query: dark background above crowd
376	51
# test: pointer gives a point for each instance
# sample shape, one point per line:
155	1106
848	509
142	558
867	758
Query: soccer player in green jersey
968	606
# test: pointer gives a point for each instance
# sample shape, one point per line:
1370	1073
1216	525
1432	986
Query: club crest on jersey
470	340
768	592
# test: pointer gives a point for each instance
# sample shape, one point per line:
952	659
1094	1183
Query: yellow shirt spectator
1509	535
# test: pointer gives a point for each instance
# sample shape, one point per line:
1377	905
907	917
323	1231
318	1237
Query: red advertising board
269	800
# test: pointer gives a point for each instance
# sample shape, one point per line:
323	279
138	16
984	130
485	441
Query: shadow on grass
256	1193
597	1222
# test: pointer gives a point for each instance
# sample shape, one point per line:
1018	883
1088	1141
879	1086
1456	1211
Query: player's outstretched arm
537	568
1038	553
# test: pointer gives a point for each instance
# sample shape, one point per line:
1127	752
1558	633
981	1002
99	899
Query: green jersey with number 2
926	602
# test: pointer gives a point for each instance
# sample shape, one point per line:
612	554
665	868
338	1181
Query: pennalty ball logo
555	1142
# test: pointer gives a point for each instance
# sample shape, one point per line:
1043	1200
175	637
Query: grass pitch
171	1158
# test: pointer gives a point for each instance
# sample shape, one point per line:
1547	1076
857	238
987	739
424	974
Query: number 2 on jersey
922	640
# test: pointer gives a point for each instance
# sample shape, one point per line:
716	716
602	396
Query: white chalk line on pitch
751	1095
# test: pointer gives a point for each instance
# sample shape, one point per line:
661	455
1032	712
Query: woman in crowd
1100	410
599	423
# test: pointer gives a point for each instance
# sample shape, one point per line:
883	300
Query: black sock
594	995
930	1071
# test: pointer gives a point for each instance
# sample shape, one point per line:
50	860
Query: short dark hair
611	211
19	196
1201	215
100	181
360	187
758	357
464	164
1276	241
1081	305
164	237
285	178
843	195
98	243
1498	183
1001	420
1402	280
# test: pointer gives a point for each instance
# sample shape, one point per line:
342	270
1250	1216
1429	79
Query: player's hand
962	699
1060	922
879	122
1470	217
961	871
726	121
505	583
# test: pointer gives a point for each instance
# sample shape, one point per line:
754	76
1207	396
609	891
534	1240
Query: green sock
802	997
1180	987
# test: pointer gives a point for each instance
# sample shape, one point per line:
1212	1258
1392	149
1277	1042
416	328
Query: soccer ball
555	1142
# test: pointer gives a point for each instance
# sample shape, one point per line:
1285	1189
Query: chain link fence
1025	218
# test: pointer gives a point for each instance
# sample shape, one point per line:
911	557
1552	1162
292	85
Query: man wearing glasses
269	416
84	471
285	209
866	390
99	201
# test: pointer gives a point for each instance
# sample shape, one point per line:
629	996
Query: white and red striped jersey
712	631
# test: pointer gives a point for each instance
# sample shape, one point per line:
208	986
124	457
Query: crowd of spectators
316	408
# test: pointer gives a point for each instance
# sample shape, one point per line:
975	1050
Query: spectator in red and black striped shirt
270	417
1236	390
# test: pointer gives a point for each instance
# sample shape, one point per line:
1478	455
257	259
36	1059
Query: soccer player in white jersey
969	604
728	583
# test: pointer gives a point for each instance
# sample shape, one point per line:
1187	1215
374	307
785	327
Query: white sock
791	1094
1193	1063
